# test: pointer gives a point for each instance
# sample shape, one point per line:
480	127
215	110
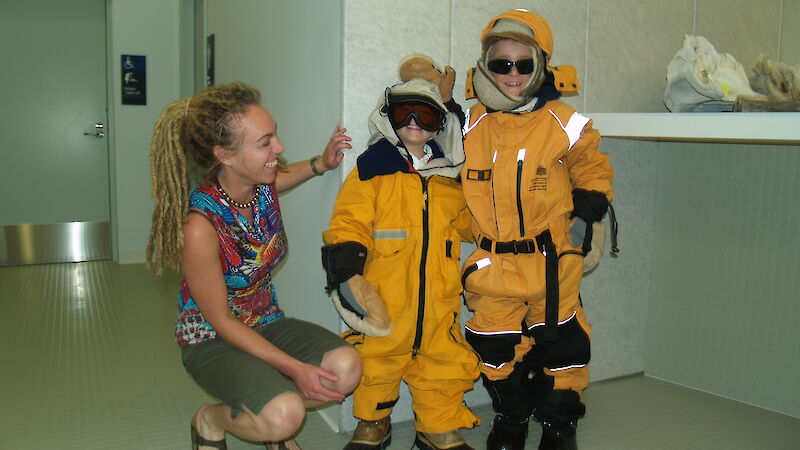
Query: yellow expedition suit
532	163
521	169
413	260
411	224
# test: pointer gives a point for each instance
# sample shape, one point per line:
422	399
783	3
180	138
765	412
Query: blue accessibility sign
134	80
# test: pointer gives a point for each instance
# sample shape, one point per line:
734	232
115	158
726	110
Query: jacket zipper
520	159
423	258
494	203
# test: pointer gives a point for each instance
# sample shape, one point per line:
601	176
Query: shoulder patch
479	175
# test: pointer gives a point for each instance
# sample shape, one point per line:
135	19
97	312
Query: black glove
342	261
590	206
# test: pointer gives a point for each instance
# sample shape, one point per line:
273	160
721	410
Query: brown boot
371	435
450	440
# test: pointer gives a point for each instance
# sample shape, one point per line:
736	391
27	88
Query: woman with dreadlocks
227	235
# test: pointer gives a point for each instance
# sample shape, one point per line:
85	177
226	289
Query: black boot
558	439
507	433
558	412
511	400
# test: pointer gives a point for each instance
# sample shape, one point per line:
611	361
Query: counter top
742	127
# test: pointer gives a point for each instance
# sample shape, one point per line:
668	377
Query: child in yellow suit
393	249
534	177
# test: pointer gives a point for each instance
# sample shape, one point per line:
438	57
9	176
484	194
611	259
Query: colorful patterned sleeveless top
247	253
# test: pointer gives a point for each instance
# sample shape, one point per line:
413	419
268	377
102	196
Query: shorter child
394	239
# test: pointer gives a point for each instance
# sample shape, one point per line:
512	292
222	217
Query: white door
53	152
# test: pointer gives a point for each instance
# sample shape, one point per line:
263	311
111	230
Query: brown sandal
198	440
283	445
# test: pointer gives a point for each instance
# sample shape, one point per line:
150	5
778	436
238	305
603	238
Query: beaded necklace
233	202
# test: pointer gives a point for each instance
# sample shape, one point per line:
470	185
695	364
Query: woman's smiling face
255	159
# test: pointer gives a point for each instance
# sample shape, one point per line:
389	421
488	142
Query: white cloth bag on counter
701	79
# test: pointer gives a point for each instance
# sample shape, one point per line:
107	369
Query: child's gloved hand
374	320
446	84
590	238
421	66
590	206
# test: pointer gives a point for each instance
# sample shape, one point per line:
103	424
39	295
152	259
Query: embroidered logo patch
540	182
479	175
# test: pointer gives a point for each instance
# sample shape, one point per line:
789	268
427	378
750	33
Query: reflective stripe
493	366
467	127
567	367
521	155
472	268
389	234
491	333
574	126
574	313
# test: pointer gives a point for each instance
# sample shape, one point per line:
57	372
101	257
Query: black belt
515	247
544	242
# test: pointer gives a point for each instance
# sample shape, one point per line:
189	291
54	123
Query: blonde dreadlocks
186	132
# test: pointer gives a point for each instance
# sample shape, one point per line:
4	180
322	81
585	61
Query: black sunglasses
503	66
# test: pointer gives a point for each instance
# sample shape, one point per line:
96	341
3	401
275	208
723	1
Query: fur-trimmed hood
530	29
449	141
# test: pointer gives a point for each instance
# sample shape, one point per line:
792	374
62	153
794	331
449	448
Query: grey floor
88	362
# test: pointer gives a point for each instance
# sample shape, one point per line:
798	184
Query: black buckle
526	246
485	244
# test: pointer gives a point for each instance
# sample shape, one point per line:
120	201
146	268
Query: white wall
150	28
291	51
268	45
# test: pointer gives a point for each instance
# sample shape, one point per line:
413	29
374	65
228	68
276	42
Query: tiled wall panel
723	306
615	294
377	35
630	47
790	33
743	28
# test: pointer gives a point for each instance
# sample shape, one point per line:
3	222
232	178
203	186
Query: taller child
533	165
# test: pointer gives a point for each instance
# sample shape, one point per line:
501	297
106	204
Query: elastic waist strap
516	247
544	242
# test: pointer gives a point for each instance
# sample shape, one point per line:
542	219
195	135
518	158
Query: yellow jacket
412	228
522	167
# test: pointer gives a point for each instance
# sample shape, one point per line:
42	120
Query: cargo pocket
570	349
389	243
450	263
494	349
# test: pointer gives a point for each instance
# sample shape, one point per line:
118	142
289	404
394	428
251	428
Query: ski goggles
428	117
503	66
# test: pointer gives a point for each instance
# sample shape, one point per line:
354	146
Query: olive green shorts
240	380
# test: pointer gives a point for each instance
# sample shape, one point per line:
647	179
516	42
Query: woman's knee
345	362
281	417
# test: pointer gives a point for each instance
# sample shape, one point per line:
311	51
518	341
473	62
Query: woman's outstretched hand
333	155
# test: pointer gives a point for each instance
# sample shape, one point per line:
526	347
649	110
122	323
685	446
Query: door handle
98	131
